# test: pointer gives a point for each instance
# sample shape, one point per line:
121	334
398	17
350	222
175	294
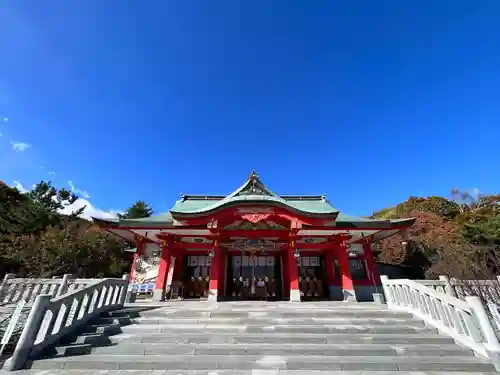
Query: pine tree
138	210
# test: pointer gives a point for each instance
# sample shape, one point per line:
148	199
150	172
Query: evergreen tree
138	210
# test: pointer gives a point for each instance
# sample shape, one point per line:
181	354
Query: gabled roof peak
253	186
253	175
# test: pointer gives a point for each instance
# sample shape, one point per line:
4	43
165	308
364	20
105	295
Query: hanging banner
314	262
202	260
262	261
270	261
193	261
244	261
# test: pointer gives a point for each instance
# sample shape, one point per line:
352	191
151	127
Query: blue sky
367	101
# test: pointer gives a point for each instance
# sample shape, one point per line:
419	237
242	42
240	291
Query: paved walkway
230	372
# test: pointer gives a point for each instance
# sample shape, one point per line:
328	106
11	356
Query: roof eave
407	222
380	224
181	215
221	197
105	223
155	225
397	226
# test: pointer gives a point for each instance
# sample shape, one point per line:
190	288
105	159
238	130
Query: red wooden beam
310	246
300	220
235	212
193	245
256	233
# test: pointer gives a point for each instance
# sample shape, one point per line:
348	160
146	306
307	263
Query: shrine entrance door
312	278
195	276
254	277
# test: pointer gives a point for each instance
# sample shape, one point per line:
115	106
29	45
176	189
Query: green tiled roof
344	217
253	191
346	221
157	220
193	206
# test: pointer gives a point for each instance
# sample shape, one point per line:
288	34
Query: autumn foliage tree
459	237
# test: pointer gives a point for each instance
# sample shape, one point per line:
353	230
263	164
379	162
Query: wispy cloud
475	193
5	119
20	187
19	146
1	135
89	211
77	191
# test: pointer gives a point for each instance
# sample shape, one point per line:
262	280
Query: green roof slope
156	220
253	191
346	221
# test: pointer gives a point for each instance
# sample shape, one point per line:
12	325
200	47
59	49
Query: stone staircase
186	337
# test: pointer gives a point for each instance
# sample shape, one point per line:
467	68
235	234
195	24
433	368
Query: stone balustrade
488	290
466	321
13	289
52	318
437	285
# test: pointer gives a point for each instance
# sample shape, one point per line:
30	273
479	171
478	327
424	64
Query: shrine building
255	244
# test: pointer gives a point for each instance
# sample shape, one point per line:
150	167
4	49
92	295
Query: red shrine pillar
286	279
215	273
293	272
370	263
330	273
345	271
165	260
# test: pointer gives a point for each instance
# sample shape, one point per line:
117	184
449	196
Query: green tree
79	248
51	199
37	241
138	210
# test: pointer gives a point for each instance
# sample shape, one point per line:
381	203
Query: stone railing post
387	293
29	334
124	290
4	286
491	341
5	282
63	288
448	288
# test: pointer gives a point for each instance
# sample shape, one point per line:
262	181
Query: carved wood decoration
255	217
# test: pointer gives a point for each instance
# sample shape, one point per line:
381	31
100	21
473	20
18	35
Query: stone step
281	338
259	314
243	372
336	350
93	339
255	305
73	349
236	362
107	320
278	328
109	329
269	321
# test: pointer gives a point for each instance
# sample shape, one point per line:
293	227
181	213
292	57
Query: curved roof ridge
253	191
